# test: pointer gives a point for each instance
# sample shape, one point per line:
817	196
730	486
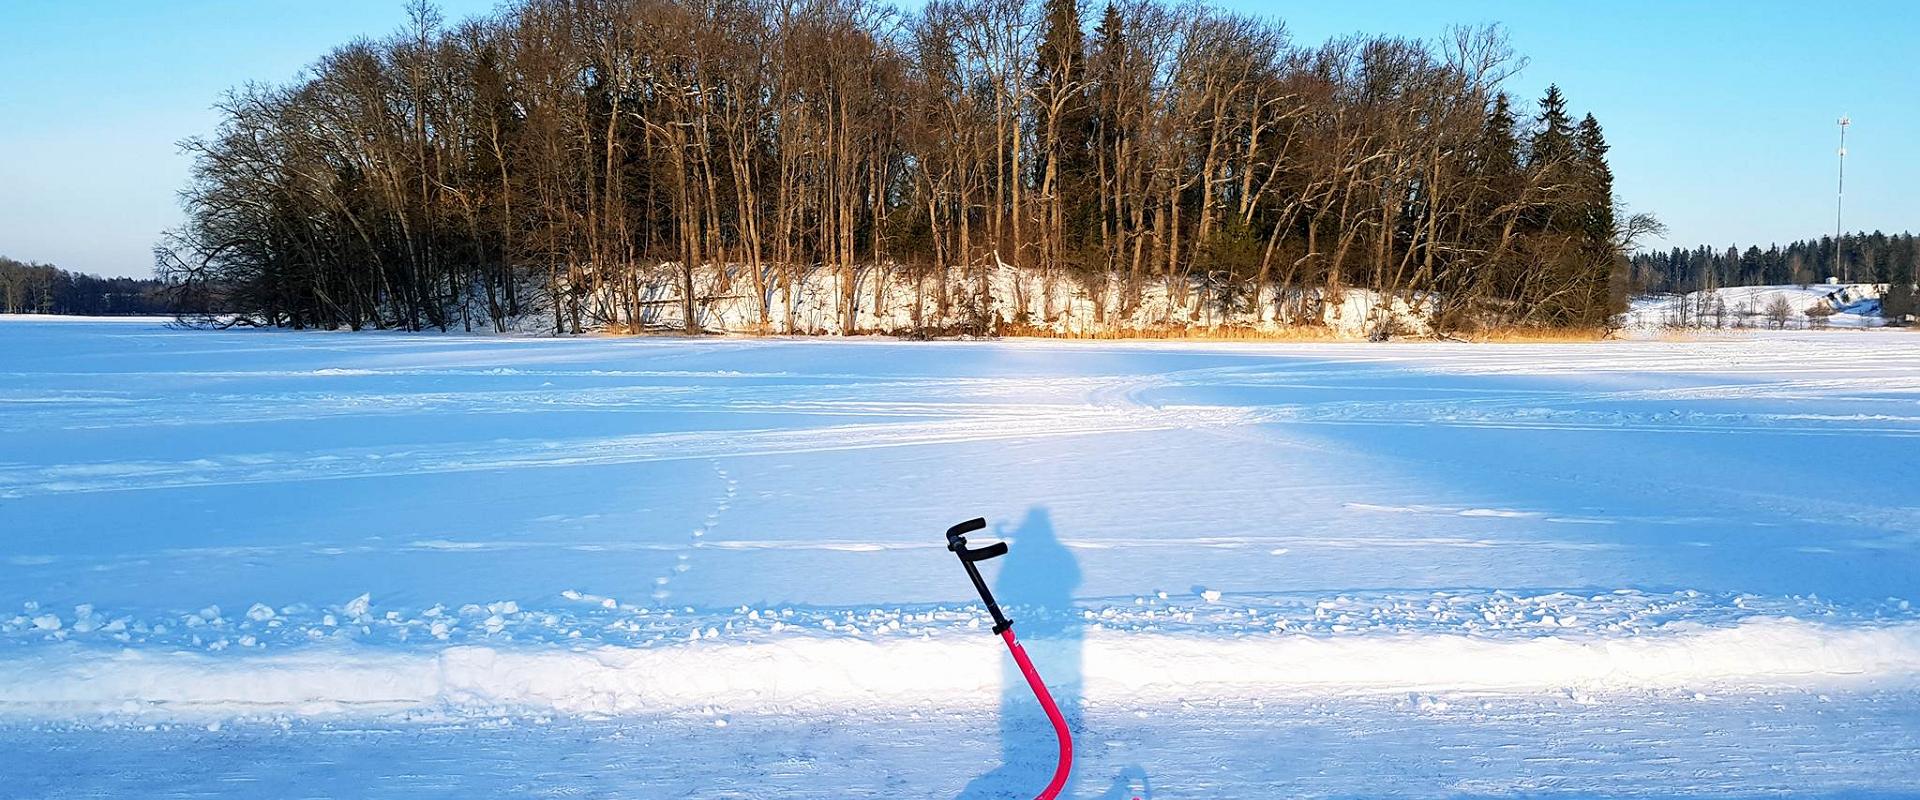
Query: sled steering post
957	542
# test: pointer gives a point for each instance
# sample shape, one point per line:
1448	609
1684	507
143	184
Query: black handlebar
957	542
958	532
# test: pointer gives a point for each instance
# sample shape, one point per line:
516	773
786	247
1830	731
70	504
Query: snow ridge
839	674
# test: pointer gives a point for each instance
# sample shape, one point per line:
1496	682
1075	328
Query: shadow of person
1035	587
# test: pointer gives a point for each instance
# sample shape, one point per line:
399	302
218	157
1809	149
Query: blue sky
1721	114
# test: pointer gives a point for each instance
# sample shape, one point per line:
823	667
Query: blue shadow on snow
1035	587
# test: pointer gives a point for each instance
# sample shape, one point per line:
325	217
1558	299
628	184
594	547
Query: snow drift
843	675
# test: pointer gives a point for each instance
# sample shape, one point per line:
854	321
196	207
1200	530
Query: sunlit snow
659	567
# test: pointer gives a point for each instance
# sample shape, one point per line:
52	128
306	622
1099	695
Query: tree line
32	288
1861	258
625	163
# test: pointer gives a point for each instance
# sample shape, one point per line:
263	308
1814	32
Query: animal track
683	562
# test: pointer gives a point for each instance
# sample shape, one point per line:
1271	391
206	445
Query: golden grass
1294	333
1536	335
1307	333
1300	333
1680	335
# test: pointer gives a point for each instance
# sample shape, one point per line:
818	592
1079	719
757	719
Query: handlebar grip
995	550
964	528
957	542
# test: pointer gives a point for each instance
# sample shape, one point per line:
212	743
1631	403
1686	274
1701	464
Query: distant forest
1863	258
27	288
593	163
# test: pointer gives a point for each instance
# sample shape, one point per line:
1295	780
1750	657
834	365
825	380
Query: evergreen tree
1573	224
1068	120
1883	265
1497	153
1552	142
1062	53
1594	215
1062	70
1110	51
1550	163
1590	151
1776	271
1897	303
1752	269
1496	159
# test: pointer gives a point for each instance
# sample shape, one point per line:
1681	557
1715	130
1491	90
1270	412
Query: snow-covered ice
252	563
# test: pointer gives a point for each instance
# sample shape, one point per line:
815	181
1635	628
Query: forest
841	166
1861	258
32	288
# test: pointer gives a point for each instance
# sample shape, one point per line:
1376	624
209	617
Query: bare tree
689	164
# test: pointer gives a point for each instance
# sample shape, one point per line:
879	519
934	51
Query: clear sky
1721	114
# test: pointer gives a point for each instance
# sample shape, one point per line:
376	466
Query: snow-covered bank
857	676
892	301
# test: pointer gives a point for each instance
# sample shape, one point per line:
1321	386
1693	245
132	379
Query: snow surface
253	563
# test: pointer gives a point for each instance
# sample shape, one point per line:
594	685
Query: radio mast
1839	202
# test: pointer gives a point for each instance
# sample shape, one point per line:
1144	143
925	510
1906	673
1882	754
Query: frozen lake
253	563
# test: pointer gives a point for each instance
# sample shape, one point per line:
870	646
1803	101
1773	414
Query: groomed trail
254	563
